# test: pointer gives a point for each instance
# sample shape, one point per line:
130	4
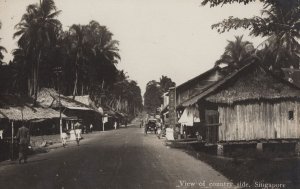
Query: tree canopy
152	96
279	21
154	91
235	54
37	32
79	61
1	50
165	83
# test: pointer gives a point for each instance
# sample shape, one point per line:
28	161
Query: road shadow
32	161
16	162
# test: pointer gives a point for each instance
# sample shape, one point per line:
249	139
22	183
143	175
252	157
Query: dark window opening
291	115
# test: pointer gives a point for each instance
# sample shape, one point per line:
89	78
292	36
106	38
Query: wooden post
172	111
12	140
60	126
104	120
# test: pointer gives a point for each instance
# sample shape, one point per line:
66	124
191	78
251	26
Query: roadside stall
15	112
188	120
69	124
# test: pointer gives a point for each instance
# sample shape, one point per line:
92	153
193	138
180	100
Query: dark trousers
23	152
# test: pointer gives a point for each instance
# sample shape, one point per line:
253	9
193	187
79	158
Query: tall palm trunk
30	81
36	78
76	77
75	84
29	86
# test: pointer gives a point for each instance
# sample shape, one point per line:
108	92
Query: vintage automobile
151	125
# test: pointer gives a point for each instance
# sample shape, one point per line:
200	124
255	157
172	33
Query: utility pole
104	120
12	140
58	71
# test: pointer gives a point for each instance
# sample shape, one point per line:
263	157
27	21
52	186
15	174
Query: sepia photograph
149	94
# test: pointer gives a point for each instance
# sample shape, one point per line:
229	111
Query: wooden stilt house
250	104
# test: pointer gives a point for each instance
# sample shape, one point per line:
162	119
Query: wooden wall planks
259	121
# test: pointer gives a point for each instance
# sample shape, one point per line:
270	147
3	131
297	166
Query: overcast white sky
157	37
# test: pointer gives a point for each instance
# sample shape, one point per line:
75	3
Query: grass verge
255	168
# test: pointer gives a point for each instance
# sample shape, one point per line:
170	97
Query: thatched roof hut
50	98
85	99
84	110
253	83
17	108
263	86
252	104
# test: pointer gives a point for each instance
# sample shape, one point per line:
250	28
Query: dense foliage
165	83
279	21
236	52
1	49
79	61
154	91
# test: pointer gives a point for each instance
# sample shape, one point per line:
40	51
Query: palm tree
21	71
280	22
235	53
79	50
37	31
1	55
126	96
104	46
105	54
90	57
165	83
1	49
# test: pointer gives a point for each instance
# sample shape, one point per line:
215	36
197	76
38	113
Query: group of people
23	136
77	132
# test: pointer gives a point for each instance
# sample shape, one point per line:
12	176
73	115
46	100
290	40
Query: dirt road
123	158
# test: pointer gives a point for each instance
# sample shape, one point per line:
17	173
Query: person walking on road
78	132
24	141
64	137
145	128
115	125
91	127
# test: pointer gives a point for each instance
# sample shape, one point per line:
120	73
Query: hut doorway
212	126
